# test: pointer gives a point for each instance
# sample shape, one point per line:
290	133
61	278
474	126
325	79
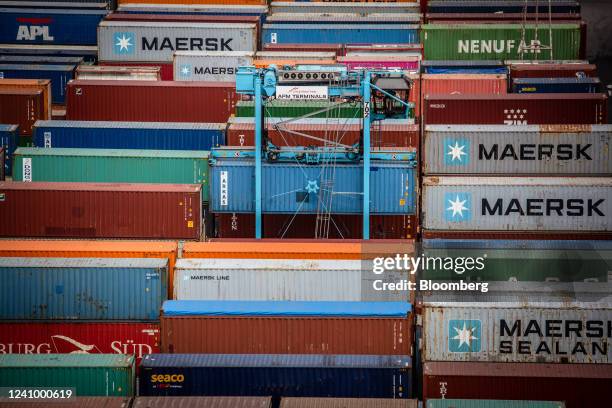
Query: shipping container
112	166
22	107
550	70
88	375
519	149
276	375
358	7
497	17
42	85
346	17
49	26
80	402
133	338
144	101
460	84
88	52
2	165
265	63
74	4
210	65
200	9
40	59
393	187
347	403
556	85
136	73
340	33
578	385
83	288
166	70
516	109
338	49
458	403
149	211
384	48
510	6
464	67
293	109
374	61
128	135
59	75
304	55
514	235
156	41
194	2
9	135
203	402
517	203
447	41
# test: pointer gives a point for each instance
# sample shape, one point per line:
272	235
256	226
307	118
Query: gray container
517	203
501	149
157	41
342	7
218	66
345	17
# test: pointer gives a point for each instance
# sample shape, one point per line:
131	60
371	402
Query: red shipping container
100	210
2	161
578	385
166	70
394	134
516	109
21	107
552	70
80	337
463	84
543	236
286	335
243	134
151	101
337	48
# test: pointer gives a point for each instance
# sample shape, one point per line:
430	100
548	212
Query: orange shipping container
264	63
93	249
43	85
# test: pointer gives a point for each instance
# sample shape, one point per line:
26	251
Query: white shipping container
292	55
218	66
158	41
521	149
345	17
517	203
343	7
111	73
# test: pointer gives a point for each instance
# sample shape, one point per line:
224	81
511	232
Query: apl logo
464	336
32	29
457	207
124	43
515	116
456	152
185	70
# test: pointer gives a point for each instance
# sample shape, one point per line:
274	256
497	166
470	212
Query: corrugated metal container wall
88	374
209	65
278	375
518	149
458	403
406	63
360	7
348	133
79	337
194	2
338	49
493	42
290	62
190	9
9	135
58	74
556	85
462	84
112	166
293	109
517	204
202	402
82	288
21	107
40	59
145	101
42	85
166	70
493	17
82	402
516	109
340	33
393	187
49	26
288	55
157	41
96	72
451	6
128	135
347	403
346	17
2	161
100	210
578	385
543	70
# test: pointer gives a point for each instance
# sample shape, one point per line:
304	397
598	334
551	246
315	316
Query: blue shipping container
61	4
89	53
340	33
38	59
464	67
50	26
292	188
556	85
128	135
260	11
58	74
508	6
289	375
9	135
82	288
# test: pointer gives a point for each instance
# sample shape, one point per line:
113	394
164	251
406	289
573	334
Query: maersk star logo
185	70
456	152
457	207
124	43
464	336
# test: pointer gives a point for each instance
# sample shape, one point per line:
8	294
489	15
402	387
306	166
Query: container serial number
38	393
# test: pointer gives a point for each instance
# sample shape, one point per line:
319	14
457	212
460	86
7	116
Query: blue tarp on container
58	74
9	134
291	188
556	85
82	288
128	135
49	26
340	33
279	375
285	308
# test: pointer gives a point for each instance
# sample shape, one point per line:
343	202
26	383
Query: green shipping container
465	403
294	109
89	374
112	166
498	41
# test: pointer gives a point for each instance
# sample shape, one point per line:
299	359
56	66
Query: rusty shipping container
202	402
75	402
516	109
43	85
161	101
463	84
258	327
100	210
544	70
578	385
21	107
293	402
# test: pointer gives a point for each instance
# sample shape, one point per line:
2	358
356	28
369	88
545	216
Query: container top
177	24
205	54
345	17
65	360
520	66
584	245
86	246
529	370
306	402
275	360
133	263
37	58
472	77
466	63
547	81
517	181
517	97
183	8
128	125
284	308
465	403
295	54
445	26
334	26
195	18
136	153
80	402
268	264
375	7
156	84
20	91
505	129
8	128
47	11
114	187
36	67
202	402
40	48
